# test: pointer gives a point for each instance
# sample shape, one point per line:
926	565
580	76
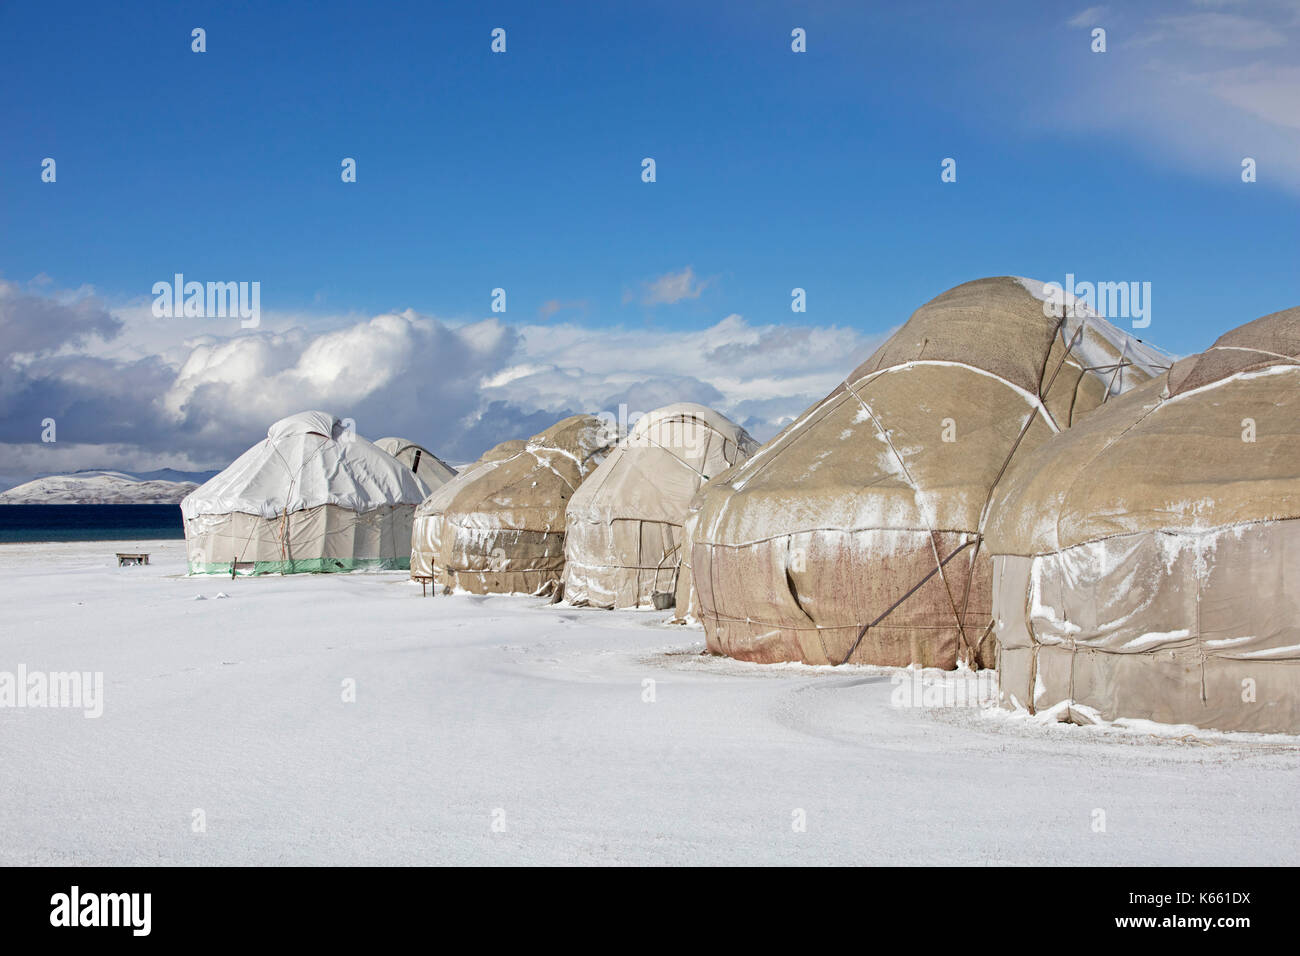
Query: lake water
90	522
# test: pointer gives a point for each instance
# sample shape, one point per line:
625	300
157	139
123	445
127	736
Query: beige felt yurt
499	527
624	524
313	496
686	603
426	530
428	467
1146	564
855	534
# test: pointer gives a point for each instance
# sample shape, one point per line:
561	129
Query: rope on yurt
916	587
916	492
676	570
1015	446
686	419
293	480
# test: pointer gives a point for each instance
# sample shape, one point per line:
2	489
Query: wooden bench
426	581
124	558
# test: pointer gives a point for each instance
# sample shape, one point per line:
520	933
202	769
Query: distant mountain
103	488
158	474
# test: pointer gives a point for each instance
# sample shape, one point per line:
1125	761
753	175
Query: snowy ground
470	710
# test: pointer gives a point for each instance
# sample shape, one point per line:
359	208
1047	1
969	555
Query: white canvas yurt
623	526
428	467
313	496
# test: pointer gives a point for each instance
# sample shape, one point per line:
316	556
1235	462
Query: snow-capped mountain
97	488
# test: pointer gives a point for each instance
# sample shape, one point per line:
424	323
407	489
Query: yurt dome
313	496
426	530
428	467
624	524
499	526
855	535
1146	563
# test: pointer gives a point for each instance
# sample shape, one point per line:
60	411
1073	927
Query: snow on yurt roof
1098	343
870	454
1169	455
526	484
307	460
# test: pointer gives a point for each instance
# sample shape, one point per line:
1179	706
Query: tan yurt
686	602
1146	564
855	534
428	467
500	526
426	531
624	524
313	496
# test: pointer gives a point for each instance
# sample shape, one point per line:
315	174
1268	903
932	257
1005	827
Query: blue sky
522	171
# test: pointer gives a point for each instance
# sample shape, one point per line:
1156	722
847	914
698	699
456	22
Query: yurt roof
687	411
528	486
427	466
1171	455
648	476
307	460
870	455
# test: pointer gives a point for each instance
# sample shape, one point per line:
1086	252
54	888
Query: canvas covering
499	526
311	497
428	467
624	523
687	602
855	534
1147	562
426	527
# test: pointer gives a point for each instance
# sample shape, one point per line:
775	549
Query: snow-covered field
474	711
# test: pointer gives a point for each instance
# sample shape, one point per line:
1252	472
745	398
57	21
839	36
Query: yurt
313	496
428	467
1146	563
686	603
500	525
623	528
426	531
855	535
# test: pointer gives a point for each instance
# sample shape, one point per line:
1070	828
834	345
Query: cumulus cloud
130	395
760	375
35	322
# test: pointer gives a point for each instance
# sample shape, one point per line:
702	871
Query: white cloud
1087	18
1200	88
1224	31
131	394
671	288
1269	93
